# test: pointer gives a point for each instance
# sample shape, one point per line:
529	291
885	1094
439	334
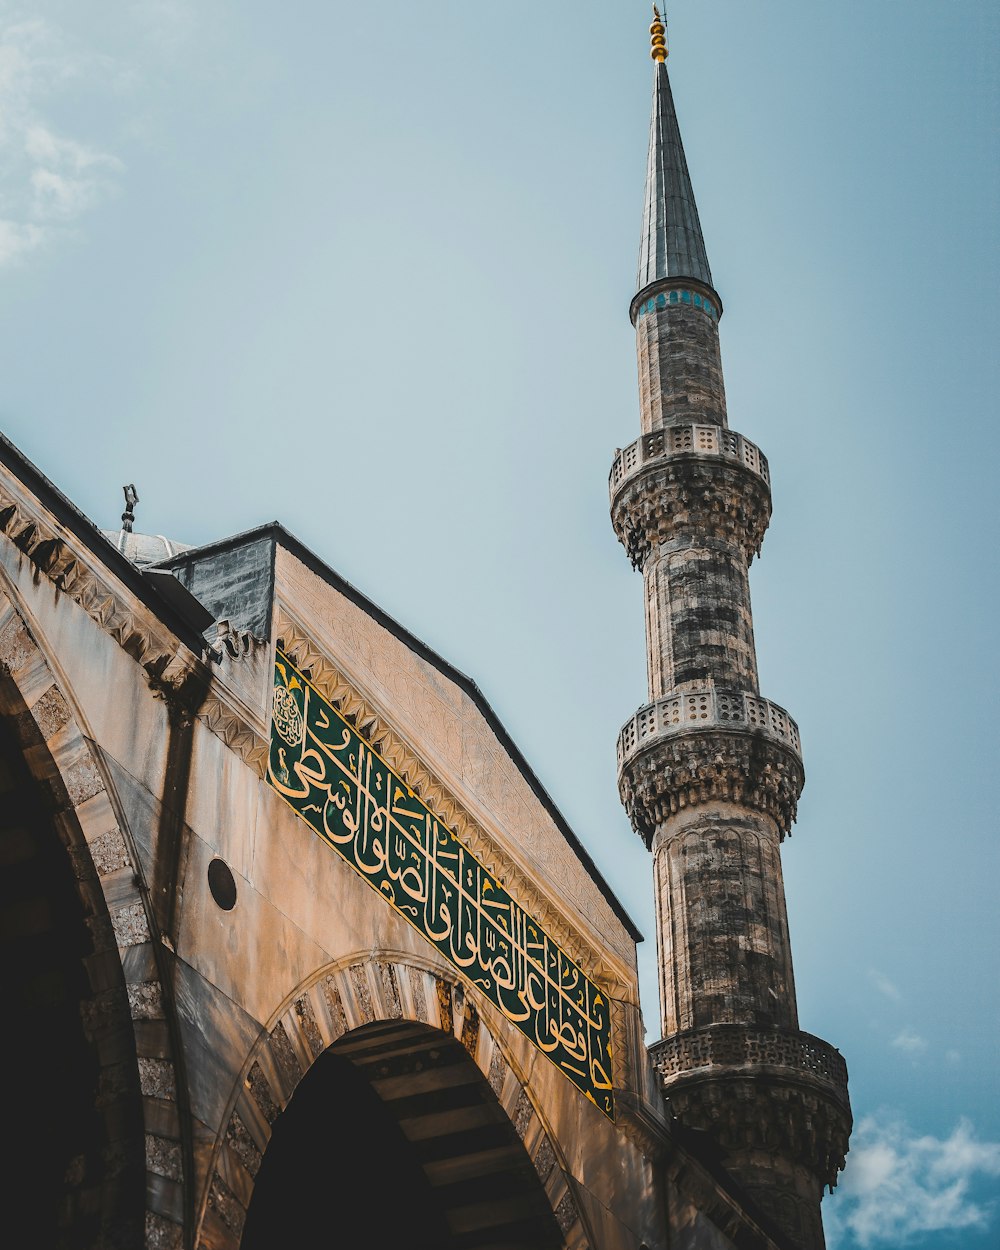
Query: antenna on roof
131	499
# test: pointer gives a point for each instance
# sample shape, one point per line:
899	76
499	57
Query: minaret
709	771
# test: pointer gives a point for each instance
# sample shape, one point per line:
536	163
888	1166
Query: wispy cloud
67	178
17	238
899	1186
47	179
884	985
910	1043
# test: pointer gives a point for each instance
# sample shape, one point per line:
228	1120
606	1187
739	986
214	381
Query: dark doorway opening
57	1156
394	1138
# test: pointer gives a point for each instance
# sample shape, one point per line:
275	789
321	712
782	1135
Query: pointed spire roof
672	245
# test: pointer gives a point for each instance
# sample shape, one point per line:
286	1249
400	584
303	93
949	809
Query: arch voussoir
339	1000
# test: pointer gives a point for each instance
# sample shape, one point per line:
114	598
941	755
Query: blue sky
368	271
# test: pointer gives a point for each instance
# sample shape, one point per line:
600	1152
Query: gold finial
658	33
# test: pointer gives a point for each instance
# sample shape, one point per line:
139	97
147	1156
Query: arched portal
77	961
66	1183
394	1137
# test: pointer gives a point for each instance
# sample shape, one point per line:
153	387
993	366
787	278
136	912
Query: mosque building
296	948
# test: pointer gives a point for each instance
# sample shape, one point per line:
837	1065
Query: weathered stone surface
162	1234
544	1160
695	498
224	1201
130	925
156	1078
726	955
673	771
698	598
109	853
50	712
261	1091
243	1146
163	1157
146	1000
566	1213
680	367
307	1024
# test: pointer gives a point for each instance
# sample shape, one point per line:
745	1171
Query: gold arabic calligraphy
348	794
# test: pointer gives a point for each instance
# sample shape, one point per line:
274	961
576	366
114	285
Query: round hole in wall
222	883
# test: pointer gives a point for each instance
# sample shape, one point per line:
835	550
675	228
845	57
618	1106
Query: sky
366	270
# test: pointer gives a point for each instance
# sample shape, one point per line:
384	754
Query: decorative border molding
707	709
675	440
137	632
167	661
374	725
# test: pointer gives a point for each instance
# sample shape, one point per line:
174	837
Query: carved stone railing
760	1093
699	440
736	1046
706	709
696	480
706	746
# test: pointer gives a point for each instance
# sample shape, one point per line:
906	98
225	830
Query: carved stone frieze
373	724
699	440
36	535
736	1046
667	763
168	664
776	1090
700	492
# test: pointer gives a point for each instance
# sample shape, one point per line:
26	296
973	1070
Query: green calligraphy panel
350	796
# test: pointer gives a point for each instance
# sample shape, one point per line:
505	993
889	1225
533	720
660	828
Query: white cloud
910	1043
884	985
47	179
898	1186
17	239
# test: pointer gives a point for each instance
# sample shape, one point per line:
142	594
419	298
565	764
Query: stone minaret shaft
709	771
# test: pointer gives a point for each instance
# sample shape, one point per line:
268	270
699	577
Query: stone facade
223	948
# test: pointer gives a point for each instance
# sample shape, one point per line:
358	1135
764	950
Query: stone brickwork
680	367
728	958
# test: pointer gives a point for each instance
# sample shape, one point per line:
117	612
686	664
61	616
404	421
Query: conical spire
672	245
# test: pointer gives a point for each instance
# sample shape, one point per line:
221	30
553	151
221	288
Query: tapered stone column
709	771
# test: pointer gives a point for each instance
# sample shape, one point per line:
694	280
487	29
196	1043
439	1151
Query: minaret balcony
700	479
800	1079
709	745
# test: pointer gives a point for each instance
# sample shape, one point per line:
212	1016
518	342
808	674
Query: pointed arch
123	1007
333	1005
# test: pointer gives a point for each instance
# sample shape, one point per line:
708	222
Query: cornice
166	658
168	662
